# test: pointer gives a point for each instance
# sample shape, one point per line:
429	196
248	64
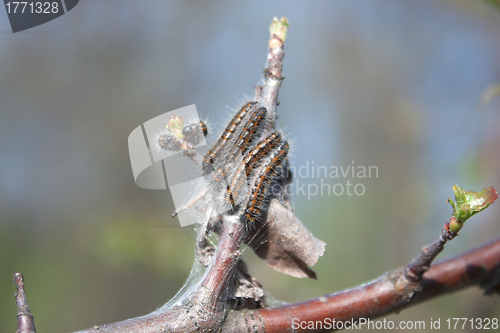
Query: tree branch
388	294
25	321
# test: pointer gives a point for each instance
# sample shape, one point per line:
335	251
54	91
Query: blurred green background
393	84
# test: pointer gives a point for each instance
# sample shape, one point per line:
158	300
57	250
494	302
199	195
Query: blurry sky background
393	84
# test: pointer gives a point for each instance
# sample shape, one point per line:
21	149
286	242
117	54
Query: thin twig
25	321
415	270
268	94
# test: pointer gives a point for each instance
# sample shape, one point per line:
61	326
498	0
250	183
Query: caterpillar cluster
243	168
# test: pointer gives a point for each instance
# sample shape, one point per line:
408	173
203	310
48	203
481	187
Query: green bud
454	225
470	203
279	28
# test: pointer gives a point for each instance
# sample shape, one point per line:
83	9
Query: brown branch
389	294
25	321
227	254
418	266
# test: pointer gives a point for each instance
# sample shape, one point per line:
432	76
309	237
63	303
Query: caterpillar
261	190
216	152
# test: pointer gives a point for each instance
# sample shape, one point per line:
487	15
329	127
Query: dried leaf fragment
285	244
